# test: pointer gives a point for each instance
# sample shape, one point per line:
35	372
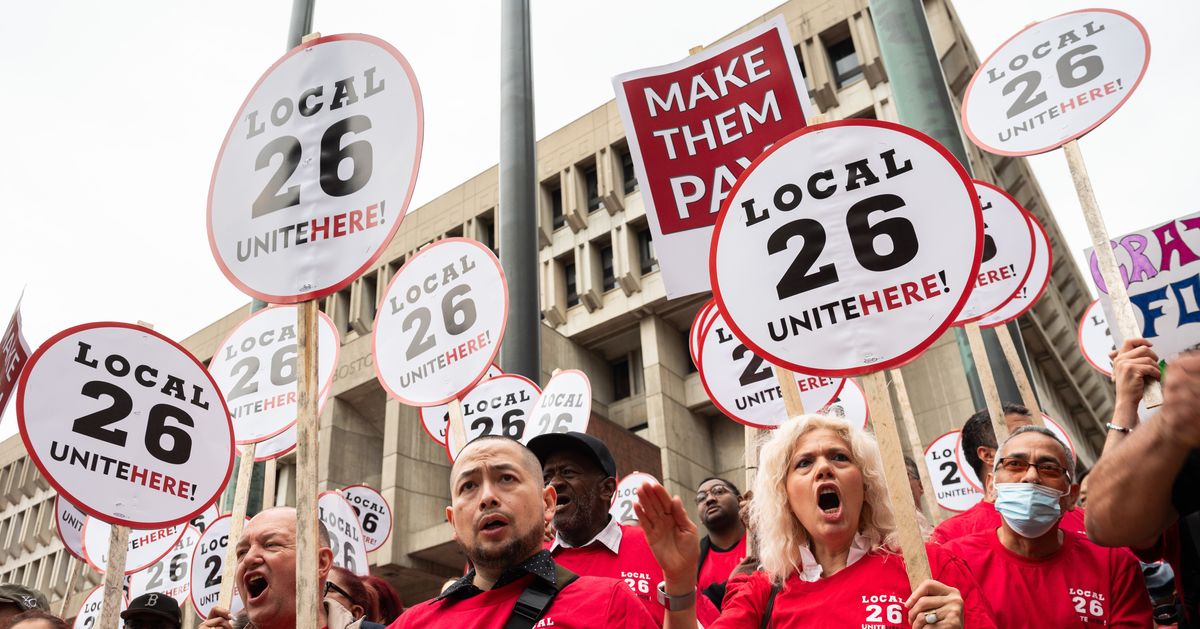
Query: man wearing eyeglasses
1034	573
719	503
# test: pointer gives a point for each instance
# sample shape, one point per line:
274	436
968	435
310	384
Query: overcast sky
116	111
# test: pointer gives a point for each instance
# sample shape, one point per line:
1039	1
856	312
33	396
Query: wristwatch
675	603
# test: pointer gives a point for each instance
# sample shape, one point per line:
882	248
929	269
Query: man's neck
1033	548
585	535
486	576
728	538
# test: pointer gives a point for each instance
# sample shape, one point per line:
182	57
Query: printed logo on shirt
883	611
639	582
546	621
1089	605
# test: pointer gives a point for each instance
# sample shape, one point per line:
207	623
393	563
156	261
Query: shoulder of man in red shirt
948	568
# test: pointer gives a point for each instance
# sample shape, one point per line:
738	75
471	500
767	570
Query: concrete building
605	312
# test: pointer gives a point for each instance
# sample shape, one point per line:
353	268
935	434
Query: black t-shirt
1185	497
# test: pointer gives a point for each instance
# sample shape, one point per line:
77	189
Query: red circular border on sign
957	449
420	107
1079	341
905	357
1038	230
695	333
101	569
191	560
967	93
1032	250
58	530
613	501
491	360
446	445
58	488
337	355
484	379
385	505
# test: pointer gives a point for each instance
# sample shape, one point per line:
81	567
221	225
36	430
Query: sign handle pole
1102	246
114	576
912	545
189	616
791	391
914	444
306	468
1024	386
270	478
76	572
241	497
987	380
455	424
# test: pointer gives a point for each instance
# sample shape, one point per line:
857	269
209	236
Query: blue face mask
1029	509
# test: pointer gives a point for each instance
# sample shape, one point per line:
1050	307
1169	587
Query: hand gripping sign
68	521
847	248
1007	253
953	492
317	169
626	496
1054	81
126	424
436	419
88	616
499	406
207	566
345	534
255	366
374	514
1033	287
565	405
441	322
850	404
1095	339
744	387
145	546
170	575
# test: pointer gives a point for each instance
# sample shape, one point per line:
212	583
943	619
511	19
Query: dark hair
977	433
388	599
728	484
914	473
354	586
36	614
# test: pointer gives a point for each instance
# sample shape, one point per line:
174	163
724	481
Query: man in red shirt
979	448
499	512
719	503
1033	572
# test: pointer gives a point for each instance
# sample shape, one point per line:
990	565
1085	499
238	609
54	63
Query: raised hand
1133	363
671	534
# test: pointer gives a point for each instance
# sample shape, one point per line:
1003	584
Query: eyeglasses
717	491
330	586
1045	469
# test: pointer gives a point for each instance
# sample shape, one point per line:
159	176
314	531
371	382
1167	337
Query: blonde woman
826	543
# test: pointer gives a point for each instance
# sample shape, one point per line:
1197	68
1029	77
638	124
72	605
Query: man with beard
499	509
588	540
719	503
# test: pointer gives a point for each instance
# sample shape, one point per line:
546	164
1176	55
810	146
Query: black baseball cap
23	597
545	445
156	604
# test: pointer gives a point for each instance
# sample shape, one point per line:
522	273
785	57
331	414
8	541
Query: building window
631	182
846	68
608	280
572	289
621	379
554	190
646	252
591	184
866	114
484	228
803	70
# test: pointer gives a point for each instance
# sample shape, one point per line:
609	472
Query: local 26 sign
317	169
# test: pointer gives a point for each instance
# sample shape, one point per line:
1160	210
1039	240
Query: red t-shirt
718	564
635	565
983	517
1081	585
869	593
588	603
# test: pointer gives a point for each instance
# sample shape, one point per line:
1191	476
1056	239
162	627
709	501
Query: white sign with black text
565	405
1095	339
374	514
171	574
626	496
436	419
208	565
345	534
498	406
1007	253
950	487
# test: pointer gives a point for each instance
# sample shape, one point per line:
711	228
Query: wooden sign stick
76	572
914	445
270	477
1024	386
987	380
454	424
1102	246
241	497
307	394
114	576
912	545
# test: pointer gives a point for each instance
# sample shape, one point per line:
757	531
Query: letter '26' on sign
317	169
126	424
847	248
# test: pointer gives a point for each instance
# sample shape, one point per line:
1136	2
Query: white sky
116	111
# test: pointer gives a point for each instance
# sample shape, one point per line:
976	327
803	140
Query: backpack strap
766	619
705	547
536	599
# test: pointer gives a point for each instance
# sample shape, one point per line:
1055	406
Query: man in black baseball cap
15	599
152	611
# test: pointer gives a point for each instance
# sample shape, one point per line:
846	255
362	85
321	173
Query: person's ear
324	562
986	454
358	611
549	502
608	487
1068	501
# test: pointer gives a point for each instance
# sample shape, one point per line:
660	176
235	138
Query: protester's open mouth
561	503
492	525
829	501
256	585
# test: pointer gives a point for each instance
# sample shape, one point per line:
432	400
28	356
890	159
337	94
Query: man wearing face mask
1035	573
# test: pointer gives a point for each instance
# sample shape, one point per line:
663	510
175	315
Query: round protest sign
565	405
1034	285
696	332
626	496
1054	81
846	248
973	478
1095	339
743	386
126	424
317	169
201	522
435	419
374	514
850	404
953	492
170	575
88	616
345	534
498	406
276	446
145	546
68	521
255	367
441	321
1007	253
207	566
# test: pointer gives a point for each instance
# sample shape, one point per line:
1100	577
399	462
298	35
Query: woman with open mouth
826	540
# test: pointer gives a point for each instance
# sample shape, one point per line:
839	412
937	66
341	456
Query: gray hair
1041	430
